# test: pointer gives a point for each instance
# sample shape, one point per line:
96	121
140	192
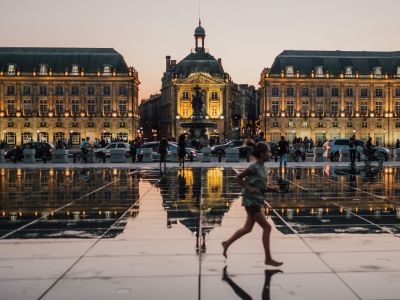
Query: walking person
182	150
163	153
283	150
253	182
327	146
353	150
133	150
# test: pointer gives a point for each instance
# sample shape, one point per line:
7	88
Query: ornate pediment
201	78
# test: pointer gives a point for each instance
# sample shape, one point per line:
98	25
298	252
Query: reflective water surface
88	203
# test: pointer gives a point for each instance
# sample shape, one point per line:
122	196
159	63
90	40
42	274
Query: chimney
173	62
168	62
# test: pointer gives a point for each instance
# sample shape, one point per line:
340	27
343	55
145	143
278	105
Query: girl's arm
240	180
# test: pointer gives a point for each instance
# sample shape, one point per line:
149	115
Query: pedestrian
163	153
326	146
353	150
397	144
311	145
182	150
59	144
253	182
133	149
283	150
306	144
260	137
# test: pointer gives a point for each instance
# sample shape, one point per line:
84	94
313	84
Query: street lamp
37	135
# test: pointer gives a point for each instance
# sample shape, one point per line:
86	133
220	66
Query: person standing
133	149
353	150
182	150
260	137
253	182
283	150
397	144
163	153
326	146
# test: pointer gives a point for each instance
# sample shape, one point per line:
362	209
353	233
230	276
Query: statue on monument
197	102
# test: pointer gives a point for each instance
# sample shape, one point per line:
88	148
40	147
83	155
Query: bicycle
90	156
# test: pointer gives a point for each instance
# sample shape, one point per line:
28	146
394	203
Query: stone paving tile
22	289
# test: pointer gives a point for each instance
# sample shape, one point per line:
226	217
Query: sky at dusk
247	35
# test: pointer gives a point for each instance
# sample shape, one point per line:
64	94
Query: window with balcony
59	124
335	124
304	92
364	92
90	90
106	124
122	124
320	91
27	107
364	109
10	90
378	108
90	124
290	108
320	124
349	108
319	107
275	124
26	90
122	106
106	90
42	124
290	92
11	70
59	90
11	107
275	107
27	124
42	90
305	108
379	92
75	90
335	92
349	92
43	108
75	107
107	107
275	91
334	108
59	107
91	107
10	124
349	124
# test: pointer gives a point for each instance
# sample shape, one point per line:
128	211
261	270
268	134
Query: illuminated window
319	107
91	107
290	108
214	110
334	108
10	107
122	106
305	107
75	70
11	70
27	107
397	108
275	107
364	124
59	107
43	70
275	124
43	107
185	95
106	107
398	71
75	107
364	108
214	95
378	72
349	108
378	108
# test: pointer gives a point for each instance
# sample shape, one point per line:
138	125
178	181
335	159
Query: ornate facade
332	94
48	94
221	97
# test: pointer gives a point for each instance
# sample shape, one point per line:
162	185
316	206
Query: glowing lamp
130	114
66	114
82	114
282	114
372	115
297	114
18	114
342	115
114	114
221	117
2	114
50	113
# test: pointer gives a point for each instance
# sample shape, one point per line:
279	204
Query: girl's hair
260	148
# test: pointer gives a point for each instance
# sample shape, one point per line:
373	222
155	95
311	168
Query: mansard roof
91	60
335	62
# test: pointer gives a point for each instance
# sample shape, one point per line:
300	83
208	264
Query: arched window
11	70
377	72
107	70
289	71
349	72
43	69
75	70
319	71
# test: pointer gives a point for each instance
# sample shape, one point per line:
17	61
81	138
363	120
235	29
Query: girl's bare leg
248	226
262	221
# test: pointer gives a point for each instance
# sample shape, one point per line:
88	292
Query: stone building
48	94
332	94
220	94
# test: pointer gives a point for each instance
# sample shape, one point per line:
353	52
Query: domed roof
200	31
199	62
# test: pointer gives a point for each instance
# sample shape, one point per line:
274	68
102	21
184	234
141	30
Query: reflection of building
222	98
26	195
332	94
198	198
66	93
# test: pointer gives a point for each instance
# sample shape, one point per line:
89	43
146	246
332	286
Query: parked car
156	154
337	144
106	150
245	149
40	147
221	149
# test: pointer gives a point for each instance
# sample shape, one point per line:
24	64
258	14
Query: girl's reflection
241	293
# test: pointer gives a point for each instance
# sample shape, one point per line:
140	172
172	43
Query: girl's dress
253	201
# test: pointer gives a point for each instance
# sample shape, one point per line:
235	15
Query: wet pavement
107	233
